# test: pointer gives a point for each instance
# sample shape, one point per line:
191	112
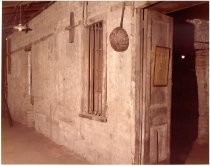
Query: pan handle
123	9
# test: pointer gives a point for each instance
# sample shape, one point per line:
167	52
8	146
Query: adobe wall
57	83
201	45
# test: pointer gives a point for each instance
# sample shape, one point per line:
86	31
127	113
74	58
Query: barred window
95	79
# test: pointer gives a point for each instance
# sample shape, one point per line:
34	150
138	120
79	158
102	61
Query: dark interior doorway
184	113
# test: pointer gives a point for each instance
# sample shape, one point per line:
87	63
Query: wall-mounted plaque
161	68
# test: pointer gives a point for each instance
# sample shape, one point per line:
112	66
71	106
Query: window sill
93	117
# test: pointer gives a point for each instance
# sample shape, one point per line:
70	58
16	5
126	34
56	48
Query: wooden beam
43	8
10	4
71	28
23	13
169	7
8	20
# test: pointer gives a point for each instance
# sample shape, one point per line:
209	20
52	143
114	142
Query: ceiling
166	7
30	9
11	13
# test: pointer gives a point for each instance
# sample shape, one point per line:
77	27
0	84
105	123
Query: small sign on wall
161	67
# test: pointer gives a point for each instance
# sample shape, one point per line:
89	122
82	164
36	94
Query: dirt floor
22	145
198	155
184	147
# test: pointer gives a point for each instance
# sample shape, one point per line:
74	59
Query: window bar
95	70
94	55
99	71
88	110
98	68
93	92
102	62
101	65
91	84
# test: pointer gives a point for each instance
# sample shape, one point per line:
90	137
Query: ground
22	145
198	155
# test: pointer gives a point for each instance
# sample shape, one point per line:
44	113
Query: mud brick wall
57	83
201	45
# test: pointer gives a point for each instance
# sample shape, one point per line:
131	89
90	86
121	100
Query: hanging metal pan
119	39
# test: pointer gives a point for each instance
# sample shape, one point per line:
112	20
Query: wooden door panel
158	30
158	136
158	115
158	33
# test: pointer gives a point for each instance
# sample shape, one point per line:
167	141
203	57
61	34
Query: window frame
86	68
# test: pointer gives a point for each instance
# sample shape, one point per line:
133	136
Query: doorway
168	122
184	108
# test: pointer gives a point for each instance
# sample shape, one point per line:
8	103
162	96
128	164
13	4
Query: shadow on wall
184	122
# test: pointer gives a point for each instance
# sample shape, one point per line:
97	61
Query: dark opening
184	115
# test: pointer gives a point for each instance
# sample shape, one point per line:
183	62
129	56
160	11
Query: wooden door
155	110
